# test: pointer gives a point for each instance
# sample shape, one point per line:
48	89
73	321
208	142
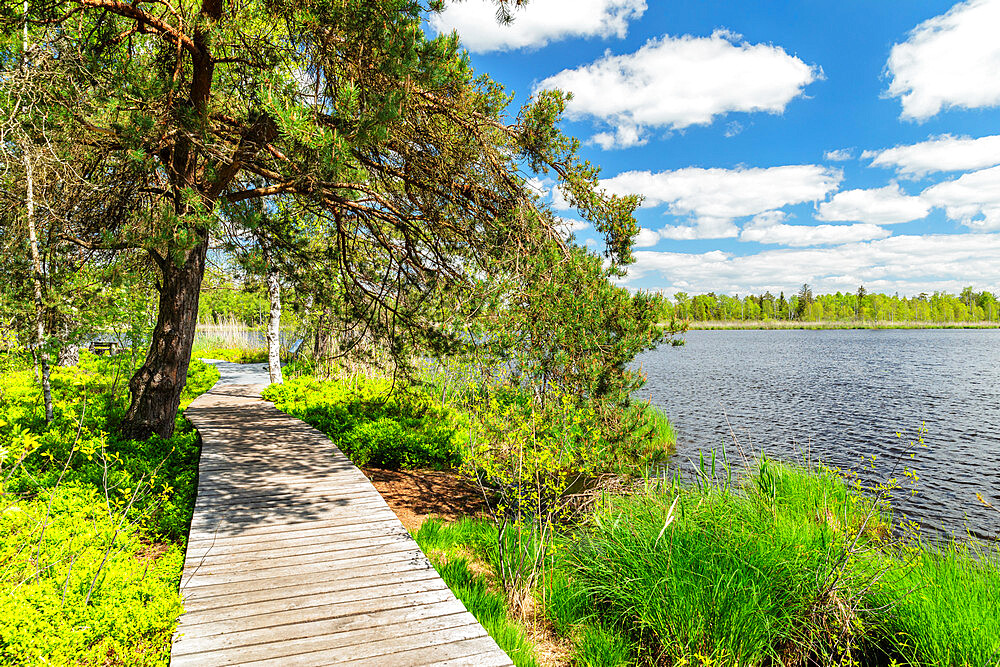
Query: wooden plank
402	553
236	602
388	566
300	597
317	650
383	652
342	605
294	558
478	652
339	551
338	632
297	529
270	546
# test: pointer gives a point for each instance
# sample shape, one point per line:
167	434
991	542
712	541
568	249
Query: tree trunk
274	327
37	278
156	387
69	355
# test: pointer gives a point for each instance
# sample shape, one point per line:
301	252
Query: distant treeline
860	306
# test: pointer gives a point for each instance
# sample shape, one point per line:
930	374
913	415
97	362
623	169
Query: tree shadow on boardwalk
260	467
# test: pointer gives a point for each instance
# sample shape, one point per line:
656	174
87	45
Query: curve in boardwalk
295	559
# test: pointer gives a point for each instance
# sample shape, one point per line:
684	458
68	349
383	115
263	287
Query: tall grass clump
713	574
452	549
942	605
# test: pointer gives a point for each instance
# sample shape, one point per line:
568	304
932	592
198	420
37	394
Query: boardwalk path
295	559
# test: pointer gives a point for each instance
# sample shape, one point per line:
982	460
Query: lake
842	395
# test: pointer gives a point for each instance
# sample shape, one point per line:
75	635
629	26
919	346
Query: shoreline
717	325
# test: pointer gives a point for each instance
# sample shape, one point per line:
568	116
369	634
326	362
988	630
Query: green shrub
373	423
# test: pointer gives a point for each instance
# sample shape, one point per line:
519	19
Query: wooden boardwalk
295	559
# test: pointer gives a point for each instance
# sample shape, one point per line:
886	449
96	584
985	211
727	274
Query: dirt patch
152	551
415	495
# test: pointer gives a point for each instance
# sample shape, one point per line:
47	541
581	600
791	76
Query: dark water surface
842	396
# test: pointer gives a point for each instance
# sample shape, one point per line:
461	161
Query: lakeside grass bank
780	565
92	526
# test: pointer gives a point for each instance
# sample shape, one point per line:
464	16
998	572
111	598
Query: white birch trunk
36	263
274	327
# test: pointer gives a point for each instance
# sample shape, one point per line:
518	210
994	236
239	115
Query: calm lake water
842	396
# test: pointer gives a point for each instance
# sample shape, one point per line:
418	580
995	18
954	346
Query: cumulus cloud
538	25
811	235
646	238
715	197
877	206
909	264
972	199
839	155
949	61
942	153
676	82
702	228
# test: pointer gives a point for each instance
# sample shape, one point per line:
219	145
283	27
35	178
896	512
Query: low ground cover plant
373	423
236	355
92	525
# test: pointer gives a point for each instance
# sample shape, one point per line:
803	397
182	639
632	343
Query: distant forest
969	306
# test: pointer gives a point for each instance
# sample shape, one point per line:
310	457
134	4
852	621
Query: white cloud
839	155
909	264
943	153
972	199
949	61
810	235
676	82
717	196
877	206
559	201
624	136
703	228
538	24
768	219
646	238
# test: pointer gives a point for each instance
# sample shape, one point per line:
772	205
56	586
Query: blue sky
775	143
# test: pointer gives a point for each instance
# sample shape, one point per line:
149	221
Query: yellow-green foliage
373	422
91	526
233	354
529	453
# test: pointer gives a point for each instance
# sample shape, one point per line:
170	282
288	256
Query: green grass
734	579
737	574
372	422
450	549
91	525
658	438
944	605
235	355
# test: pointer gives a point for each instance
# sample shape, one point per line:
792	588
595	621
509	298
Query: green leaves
373	424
